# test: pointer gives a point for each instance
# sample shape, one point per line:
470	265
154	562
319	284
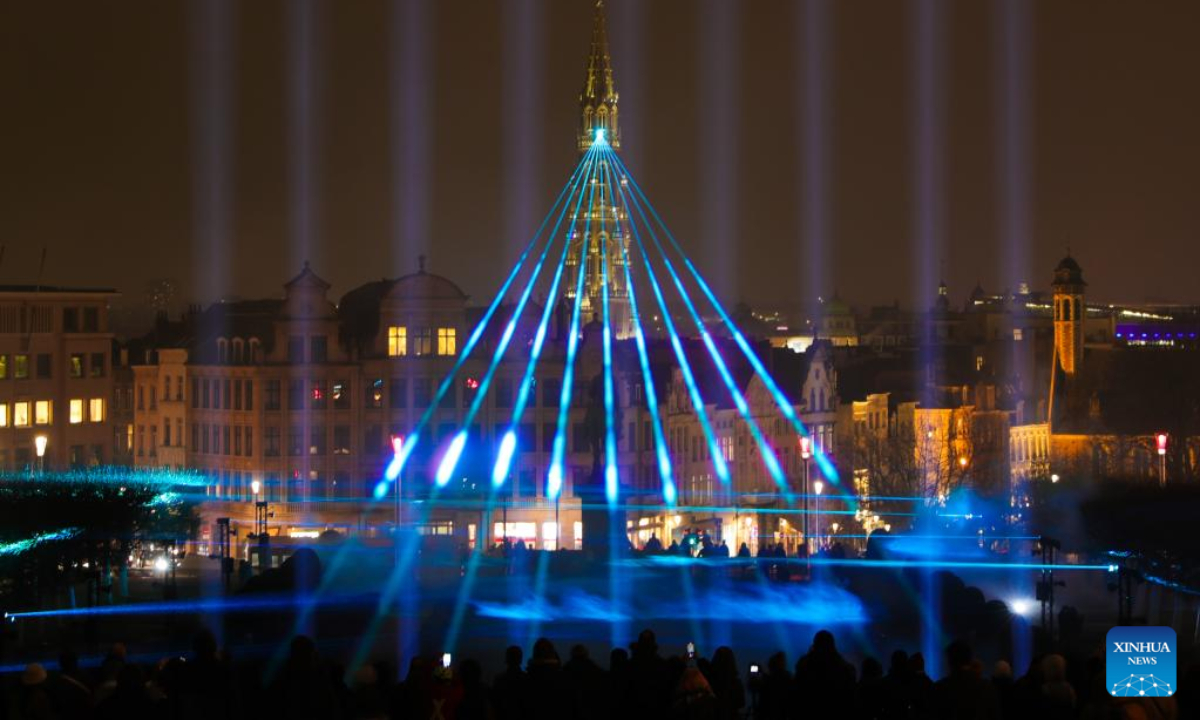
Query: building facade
55	378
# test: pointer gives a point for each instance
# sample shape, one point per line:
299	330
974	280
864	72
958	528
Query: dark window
449	400
527	437
271	395
271	441
43	365
227	393
316	440
341	439
398	398
295	440
295	395
579	438
96	365
237	440
527	483
373	439
203	438
225	437
216	393
195	437
341	395
551	389
295	349
504	392
237	394
249	394
422	392
548	430
319	350
249	446
91	319
341	483
70	320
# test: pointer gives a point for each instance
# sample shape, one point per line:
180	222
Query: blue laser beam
450	459
785	406
611	479
414	436
508	445
554	479
770	461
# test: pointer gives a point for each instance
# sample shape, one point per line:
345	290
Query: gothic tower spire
598	99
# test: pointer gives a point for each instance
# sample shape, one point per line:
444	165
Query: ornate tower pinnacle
1069	314
598	99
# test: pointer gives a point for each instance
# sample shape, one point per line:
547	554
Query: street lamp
1054	478
1161	441
39	445
805	456
255	487
818	488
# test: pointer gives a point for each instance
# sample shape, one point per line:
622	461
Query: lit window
41	412
96	410
397	341
21	414
77	365
447	341
76	414
3	414
20	366
979	362
1019	334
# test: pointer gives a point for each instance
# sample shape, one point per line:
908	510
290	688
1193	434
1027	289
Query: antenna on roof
41	269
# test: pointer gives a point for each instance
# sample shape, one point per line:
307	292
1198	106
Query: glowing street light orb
818	487
1021	606
1055	478
805	447
39	444
161	563
255	487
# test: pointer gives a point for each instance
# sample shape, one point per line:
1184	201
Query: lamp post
1161	441
818	488
805	455
39	445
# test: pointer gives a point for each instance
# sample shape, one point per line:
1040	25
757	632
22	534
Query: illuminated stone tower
598	123
1069	315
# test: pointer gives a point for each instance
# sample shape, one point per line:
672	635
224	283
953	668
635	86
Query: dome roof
425	286
1068	272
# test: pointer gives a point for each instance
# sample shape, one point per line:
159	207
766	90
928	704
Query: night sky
154	139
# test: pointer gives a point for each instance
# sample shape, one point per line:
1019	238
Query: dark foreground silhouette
643	681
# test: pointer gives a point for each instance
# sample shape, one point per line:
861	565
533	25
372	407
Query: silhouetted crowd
641	682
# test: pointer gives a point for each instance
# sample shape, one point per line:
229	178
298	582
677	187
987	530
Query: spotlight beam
770	461
450	460
554	479
785	406
414	435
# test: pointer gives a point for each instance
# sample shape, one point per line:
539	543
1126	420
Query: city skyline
136	188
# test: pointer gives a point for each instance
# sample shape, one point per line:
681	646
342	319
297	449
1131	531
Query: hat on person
34	674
